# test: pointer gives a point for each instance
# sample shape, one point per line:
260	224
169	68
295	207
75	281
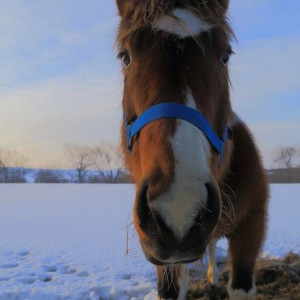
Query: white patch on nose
187	195
183	23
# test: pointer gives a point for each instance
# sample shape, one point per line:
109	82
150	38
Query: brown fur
162	69
137	15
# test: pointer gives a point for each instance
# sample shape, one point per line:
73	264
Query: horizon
60	81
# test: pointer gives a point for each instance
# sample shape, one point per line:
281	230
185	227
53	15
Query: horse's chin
157	262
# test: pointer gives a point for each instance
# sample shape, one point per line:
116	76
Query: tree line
8	174
87	164
104	164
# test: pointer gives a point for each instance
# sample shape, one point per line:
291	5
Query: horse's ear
224	4
124	6
219	6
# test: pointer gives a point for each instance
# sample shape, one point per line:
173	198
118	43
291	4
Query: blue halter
177	111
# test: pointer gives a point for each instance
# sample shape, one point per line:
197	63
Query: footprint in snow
30	280
27	280
50	269
60	269
82	274
126	276
9	266
67	270
23	253
45	278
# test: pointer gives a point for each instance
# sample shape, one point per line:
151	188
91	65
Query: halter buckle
129	138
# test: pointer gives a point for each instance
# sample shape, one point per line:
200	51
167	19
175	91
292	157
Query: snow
77	242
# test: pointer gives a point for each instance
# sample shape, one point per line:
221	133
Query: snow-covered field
62	242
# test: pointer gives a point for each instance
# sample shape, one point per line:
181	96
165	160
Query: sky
60	81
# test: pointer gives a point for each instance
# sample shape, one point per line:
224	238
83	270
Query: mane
146	12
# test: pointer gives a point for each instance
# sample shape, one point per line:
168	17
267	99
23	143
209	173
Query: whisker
228	210
204	207
231	190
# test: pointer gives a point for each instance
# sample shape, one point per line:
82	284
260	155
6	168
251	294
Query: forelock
145	13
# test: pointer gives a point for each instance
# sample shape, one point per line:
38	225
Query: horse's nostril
199	219
213	199
142	206
209	215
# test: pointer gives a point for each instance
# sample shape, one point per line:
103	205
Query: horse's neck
234	119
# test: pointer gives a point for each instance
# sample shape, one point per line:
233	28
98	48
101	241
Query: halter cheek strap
176	111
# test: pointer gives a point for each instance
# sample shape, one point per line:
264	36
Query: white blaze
183	23
187	195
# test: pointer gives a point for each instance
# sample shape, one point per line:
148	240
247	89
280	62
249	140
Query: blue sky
61	83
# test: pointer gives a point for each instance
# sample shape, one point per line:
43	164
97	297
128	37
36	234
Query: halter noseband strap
177	111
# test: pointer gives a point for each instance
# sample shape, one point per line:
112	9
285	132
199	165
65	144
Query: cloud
40	40
264	70
265	77
84	107
60	82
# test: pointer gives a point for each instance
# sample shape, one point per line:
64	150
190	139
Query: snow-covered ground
62	242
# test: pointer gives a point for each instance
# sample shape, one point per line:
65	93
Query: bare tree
49	176
81	158
285	157
11	167
107	161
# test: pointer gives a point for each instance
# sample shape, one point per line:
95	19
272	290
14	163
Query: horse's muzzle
172	261
160	244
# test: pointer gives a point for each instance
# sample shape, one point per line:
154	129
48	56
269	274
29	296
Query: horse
197	170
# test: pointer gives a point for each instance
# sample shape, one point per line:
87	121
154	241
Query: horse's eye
125	58
225	57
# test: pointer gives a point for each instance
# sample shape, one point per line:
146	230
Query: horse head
177	52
